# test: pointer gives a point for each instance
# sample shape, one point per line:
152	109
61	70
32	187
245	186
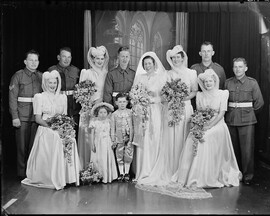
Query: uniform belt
244	104
25	99
70	92
114	94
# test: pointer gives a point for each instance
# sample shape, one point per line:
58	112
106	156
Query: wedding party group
172	131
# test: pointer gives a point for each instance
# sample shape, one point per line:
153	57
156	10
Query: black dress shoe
126	177
248	182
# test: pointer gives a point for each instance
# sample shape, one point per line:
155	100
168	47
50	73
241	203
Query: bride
150	73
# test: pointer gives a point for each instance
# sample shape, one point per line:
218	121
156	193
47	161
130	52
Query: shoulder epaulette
229	79
217	64
195	65
251	78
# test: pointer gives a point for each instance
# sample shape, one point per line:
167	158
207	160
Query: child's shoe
126	177
120	178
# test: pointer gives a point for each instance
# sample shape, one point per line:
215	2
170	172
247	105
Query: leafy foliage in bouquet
198	119
174	92
83	94
140	101
90	175
64	125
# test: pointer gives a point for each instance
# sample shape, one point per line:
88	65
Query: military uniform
200	68
117	81
23	86
69	78
245	99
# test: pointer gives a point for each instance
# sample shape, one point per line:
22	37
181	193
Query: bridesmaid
215	164
176	135
48	165
98	58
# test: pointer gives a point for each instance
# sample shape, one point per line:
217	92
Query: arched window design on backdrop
157	45
136	44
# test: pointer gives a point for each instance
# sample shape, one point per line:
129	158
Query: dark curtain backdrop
48	25
234	35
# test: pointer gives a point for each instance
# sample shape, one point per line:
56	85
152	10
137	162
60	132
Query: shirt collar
28	72
242	80
122	70
62	68
209	66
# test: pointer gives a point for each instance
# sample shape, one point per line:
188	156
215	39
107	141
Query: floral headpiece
51	75
174	51
96	106
208	73
101	50
94	52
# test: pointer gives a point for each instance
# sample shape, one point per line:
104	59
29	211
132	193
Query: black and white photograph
135	107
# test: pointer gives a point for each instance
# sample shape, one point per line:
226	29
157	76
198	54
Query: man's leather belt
25	99
70	92
244	104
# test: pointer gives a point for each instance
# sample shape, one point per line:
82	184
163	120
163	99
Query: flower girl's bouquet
64	125
140	101
90	174
174	92
198	120
83	94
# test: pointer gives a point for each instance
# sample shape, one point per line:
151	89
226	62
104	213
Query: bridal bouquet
83	94
140	101
198	120
174	92
64	125
90	174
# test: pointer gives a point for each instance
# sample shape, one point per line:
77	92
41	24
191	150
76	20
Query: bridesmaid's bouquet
90	174
83	94
140	101
64	125
198	120
174	92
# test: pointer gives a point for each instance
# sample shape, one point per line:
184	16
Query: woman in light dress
150	73
98	58
215	164
48	166
173	137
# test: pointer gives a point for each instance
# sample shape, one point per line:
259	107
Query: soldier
120	79
69	78
207	51
245	100
23	86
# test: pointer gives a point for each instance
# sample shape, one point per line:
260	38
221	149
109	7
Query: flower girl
102	153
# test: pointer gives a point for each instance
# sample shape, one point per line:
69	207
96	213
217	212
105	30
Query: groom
119	79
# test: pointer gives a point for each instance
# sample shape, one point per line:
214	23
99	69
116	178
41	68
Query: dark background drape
48	25
234	35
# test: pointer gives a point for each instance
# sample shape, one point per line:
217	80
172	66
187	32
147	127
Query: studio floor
125	198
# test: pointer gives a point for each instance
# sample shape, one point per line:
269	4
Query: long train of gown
214	165
159	180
